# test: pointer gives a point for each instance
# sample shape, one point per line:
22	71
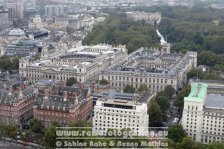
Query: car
175	120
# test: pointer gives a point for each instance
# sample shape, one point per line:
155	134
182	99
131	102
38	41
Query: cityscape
112	74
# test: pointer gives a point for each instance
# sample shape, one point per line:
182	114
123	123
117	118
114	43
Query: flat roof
214	101
198	92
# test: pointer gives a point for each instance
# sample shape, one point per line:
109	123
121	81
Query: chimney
20	93
81	85
65	95
46	93
10	90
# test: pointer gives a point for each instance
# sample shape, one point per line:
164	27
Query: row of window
143	80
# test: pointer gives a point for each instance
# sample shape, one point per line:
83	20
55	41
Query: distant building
13	13
203	113
35	22
53	10
150	18
16	103
22	48
4	17
119	114
63	105
17	32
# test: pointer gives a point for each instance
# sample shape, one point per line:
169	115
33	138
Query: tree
71	81
50	137
176	133
155	115
163	103
169	90
179	99
11	131
216	145
104	82
129	89
187	143
195	73
80	123
36	125
143	88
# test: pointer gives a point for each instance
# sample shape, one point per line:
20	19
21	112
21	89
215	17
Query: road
8	145
172	115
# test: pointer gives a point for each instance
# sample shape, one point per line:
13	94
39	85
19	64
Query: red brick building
63	105
16	103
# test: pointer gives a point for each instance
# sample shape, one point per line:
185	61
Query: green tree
71	81
143	88
195	73
216	145
169	90
155	115
129	89
36	125
187	143
104	82
176	133
50	137
179	99
11	131
163	103
80	123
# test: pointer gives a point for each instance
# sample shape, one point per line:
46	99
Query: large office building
119	114
82	63
154	68
203	113
4	16
53	10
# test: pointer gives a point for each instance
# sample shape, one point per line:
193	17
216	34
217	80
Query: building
22	48
82	63
4	16
16	103
152	67
203	113
35	23
120	114
63	104
150	18
15	12
53	10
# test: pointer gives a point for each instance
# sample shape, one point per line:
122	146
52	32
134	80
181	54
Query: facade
150	18
151	67
82	63
16	103
203	113
53	10
35	23
120	114
23	48
4	16
63	105
13	13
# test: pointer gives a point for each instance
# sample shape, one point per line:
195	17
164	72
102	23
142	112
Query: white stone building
203	113
150	18
151	67
36	23
82	63
120	114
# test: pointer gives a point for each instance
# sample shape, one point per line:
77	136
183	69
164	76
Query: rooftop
198	92
214	101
